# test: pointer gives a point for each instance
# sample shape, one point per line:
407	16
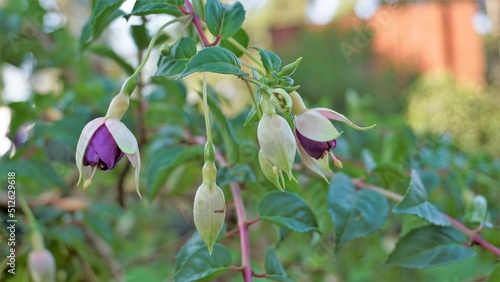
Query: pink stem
242	223
474	236
197	24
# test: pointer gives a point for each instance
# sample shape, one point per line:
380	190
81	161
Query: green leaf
290	68
270	60
103	13
109	53
148	7
193	262
241	37
164	163
355	213
495	274
178	59
288	210
224	20
430	246
216	60
140	35
238	173
415	202
274	269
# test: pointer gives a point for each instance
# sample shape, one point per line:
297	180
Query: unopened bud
271	172
209	211
42	266
165	50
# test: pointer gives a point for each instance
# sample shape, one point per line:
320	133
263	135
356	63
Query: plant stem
474	236
153	41
197	24
206	109
243	227
242	223
245	51
255	104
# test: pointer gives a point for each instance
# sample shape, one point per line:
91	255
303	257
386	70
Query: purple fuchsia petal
102	150
313	148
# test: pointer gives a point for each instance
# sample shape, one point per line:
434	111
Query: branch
473	235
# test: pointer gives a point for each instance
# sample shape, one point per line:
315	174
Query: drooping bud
209	211
165	50
118	106
42	266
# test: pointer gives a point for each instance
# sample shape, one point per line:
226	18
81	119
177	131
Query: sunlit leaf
216	60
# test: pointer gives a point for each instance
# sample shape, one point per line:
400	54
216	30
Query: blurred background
428	72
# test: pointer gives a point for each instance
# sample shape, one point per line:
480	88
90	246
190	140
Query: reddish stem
474	236
260	275
197	24
216	41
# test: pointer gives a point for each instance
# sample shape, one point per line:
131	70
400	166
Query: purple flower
313	148
102	144
315	134
102	150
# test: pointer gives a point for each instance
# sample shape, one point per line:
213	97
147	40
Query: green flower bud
165	50
209	211
477	211
290	68
271	172
42	266
286	81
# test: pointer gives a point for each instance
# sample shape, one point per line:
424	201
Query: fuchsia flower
105	140
315	134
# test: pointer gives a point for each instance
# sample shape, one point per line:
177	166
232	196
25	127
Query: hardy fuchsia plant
213	42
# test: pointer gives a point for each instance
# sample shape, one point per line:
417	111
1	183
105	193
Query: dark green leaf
108	52
164	162
274	269
224	20
415	202
354	213
178	59
270	60
216	60
148	7
140	36
103	13
288	210
193	262
241	37
430	246
238	173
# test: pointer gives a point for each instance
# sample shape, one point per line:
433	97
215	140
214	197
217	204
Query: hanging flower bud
277	143
105	140
315	134
209	207
42	266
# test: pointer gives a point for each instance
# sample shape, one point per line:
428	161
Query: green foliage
214	59
415	202
354	213
107	233
195	263
103	13
224	20
175	63
274	269
293	212
430	246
